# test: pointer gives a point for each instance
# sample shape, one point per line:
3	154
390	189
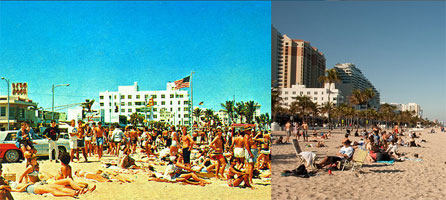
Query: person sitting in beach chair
346	152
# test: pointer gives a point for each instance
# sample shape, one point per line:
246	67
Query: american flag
182	83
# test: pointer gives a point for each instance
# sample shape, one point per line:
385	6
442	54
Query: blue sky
399	46
98	46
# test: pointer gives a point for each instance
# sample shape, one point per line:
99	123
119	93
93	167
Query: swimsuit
186	155
254	153
218	156
239	152
99	141
31	189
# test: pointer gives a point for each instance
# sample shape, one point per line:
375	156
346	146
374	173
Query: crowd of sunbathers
235	155
380	145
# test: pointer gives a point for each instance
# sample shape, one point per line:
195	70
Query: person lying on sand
65	170
100	176
172	174
59	188
346	152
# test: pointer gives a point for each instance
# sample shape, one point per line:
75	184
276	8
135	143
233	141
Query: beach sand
141	188
409	179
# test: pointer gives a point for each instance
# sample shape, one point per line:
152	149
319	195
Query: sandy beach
410	179
141	188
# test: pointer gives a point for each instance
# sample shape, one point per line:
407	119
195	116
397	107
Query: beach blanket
386	162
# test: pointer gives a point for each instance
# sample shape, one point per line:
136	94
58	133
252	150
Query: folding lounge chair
298	152
357	160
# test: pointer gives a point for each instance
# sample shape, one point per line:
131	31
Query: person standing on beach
288	131
52	134
218	145
305	131
174	144
249	155
99	133
88	137
72	131
238	148
81	140
187	145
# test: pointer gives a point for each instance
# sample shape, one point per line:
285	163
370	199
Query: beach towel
309	157
386	162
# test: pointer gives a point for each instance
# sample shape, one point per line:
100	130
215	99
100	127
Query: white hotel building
317	95
408	107
170	105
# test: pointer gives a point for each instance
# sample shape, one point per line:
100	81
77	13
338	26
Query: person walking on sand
305	131
288	131
99	133
81	140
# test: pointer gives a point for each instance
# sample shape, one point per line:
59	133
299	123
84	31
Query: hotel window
146	96
163	103
171	95
109	104
163	96
170	102
294	92
122	97
130	110
315	98
179	102
138	103
138	96
154	109
138	110
129	96
101	104
171	109
301	93
129	103
101	97
315	93
186	102
122	103
2	111
155	103
186	109
154	96
308	93
109	97
179	109
122	110
181	96
286	92
114	96
155	116
186	115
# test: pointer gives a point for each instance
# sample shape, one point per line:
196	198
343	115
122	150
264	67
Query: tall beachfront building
413	107
299	63
276	56
170	105
352	79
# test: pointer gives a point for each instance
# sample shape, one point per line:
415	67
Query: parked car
10	153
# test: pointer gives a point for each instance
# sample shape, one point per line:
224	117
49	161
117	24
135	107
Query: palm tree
240	110
276	101
331	76
197	113
208	114
327	108
387	112
228	108
136	119
250	109
301	105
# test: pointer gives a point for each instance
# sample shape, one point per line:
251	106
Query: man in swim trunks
187	145
133	134
288	131
81	140
99	133
305	131
218	145
239	151
249	155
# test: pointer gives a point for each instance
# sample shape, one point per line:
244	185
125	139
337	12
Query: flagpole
192	103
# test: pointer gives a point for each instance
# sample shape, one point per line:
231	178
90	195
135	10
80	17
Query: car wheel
12	156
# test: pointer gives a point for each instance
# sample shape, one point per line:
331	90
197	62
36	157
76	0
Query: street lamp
7	108
52	105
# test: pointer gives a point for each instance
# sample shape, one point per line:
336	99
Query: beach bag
301	170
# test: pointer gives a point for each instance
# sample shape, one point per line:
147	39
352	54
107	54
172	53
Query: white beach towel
308	156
